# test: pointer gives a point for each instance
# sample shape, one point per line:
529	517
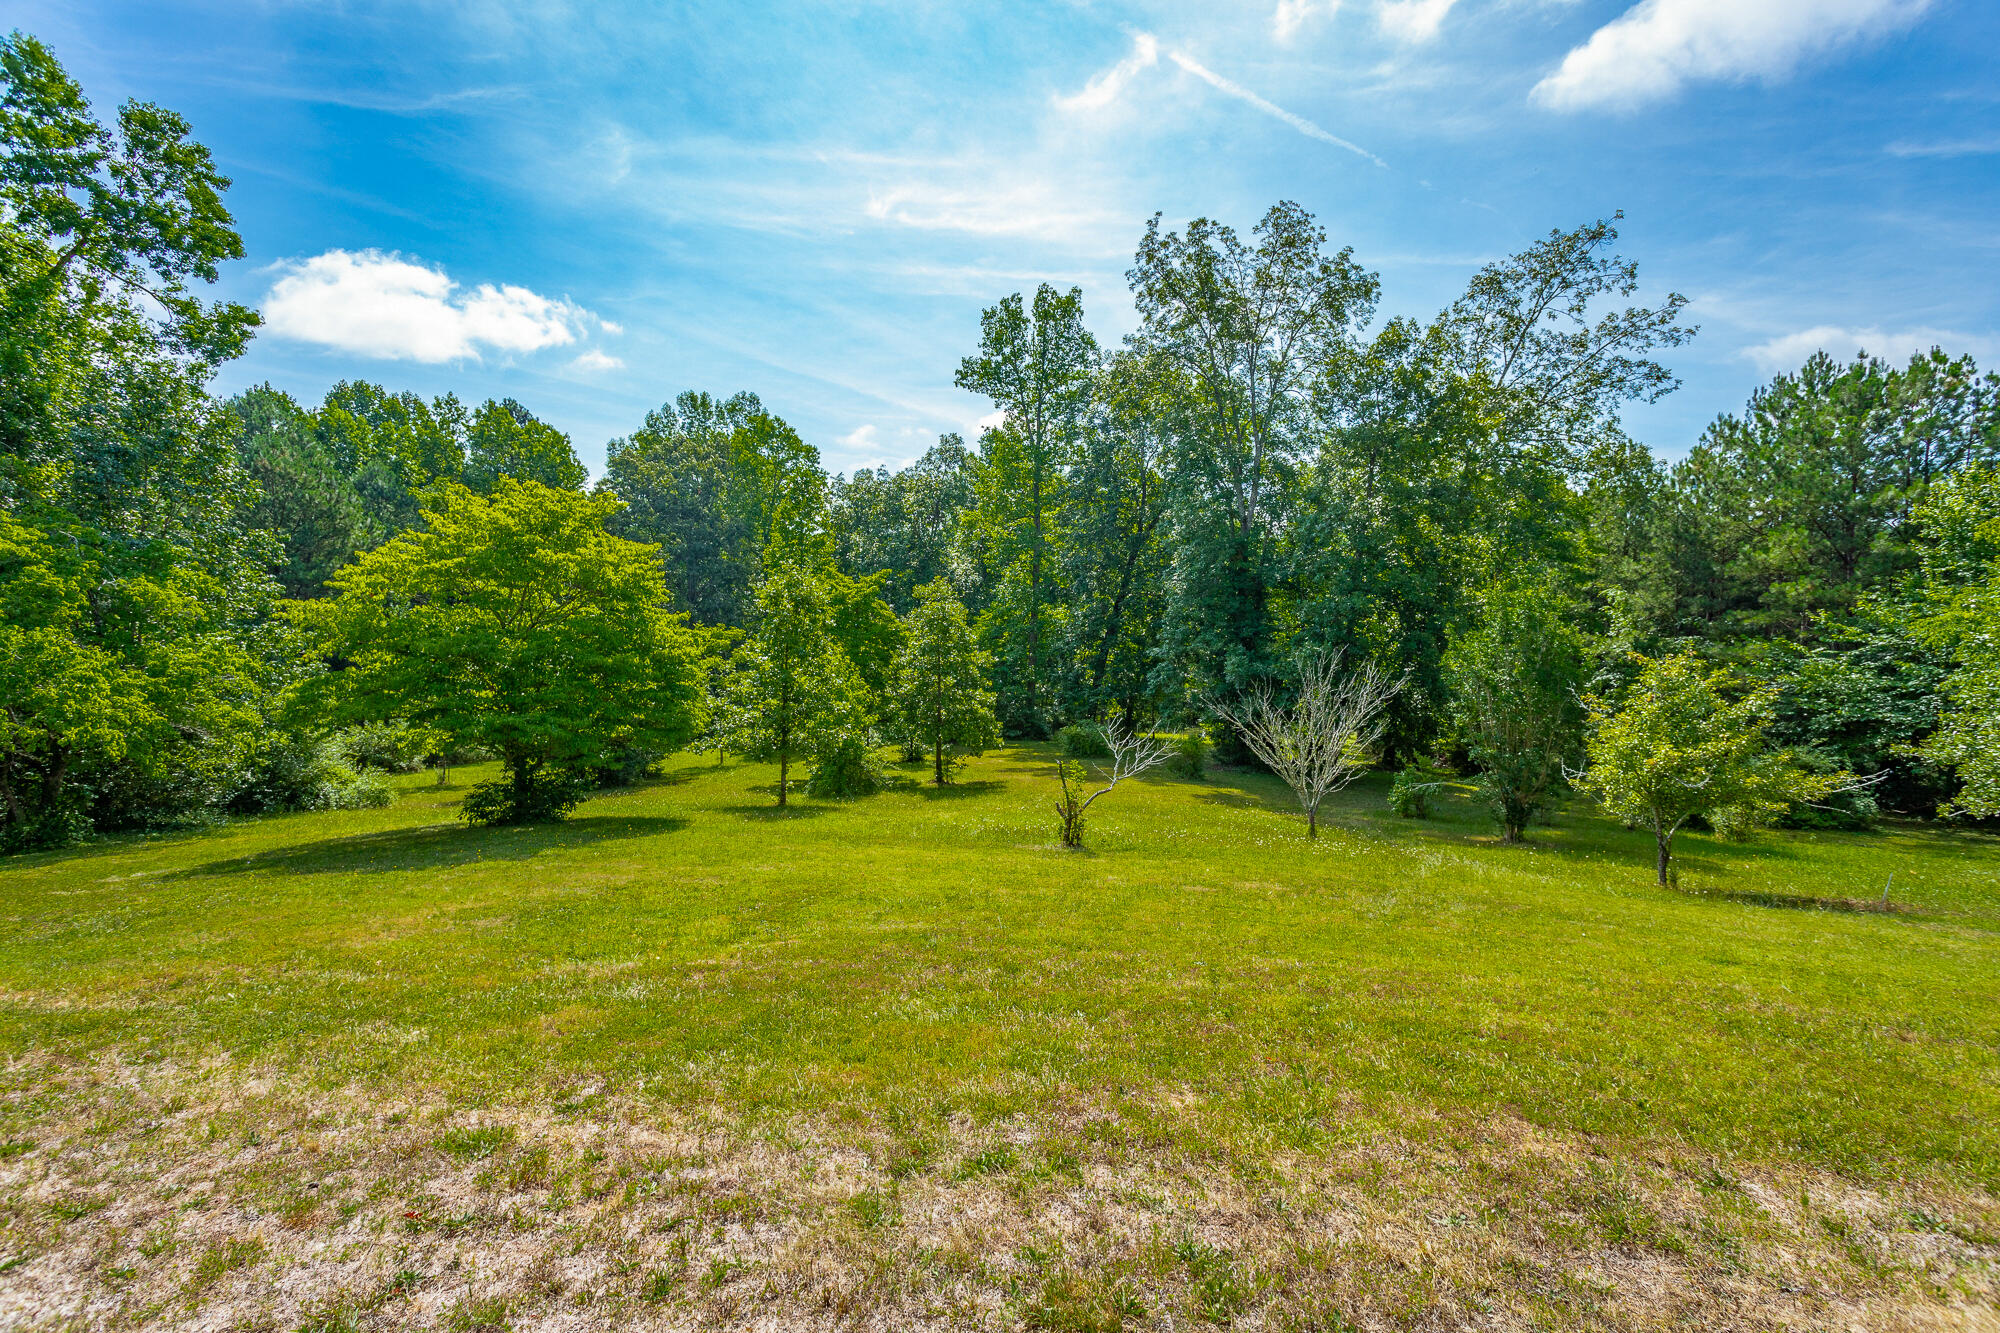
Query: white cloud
380	304
1291	15
1656	46
992	420
1789	351
1104	88
1238	91
595	360
1946	148
861	438
1413	20
1028	207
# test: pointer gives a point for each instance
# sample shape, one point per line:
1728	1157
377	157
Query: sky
593	206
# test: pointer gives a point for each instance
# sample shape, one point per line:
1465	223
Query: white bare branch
1320	742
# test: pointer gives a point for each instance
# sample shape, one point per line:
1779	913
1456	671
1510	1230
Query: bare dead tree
1131	755
1320	742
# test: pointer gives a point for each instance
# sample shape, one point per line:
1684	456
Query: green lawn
691	1058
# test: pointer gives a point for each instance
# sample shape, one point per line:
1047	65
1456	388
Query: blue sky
592	206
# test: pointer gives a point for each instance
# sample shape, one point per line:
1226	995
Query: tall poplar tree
1036	364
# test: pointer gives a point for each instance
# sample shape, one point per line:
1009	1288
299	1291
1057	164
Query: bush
308	773
1410	797
913	751
548	797
1084	740
393	747
1848	811
624	766
46	830
845	769
1190	756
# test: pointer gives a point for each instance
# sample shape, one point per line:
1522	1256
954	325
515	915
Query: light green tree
794	693
515	623
941	697
1678	745
1515	679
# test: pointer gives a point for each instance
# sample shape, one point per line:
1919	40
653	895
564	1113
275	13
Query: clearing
690	1061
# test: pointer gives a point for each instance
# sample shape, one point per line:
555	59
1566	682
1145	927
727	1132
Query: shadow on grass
774	812
437	846
958	791
1802	903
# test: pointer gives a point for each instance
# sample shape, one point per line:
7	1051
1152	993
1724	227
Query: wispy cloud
1104	88
1413	20
1291	15
596	361
378	304
1231	88
1789	351
1650	51
1946	148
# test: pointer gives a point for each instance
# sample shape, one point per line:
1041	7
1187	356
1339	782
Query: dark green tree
1036	365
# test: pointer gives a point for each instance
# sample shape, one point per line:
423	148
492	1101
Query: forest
230	605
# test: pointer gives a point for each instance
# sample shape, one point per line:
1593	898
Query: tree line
244	604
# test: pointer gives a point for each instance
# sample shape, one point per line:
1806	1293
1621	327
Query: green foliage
393	746
845	768
677	476
505	439
1245	330
1036	365
301	771
1800	506
1677	746
530	796
1190	756
940	701
517	624
1957	611
1410	795
905	525
1515	679
793	692
1084	740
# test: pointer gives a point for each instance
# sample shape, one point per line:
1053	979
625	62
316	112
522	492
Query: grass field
691	1061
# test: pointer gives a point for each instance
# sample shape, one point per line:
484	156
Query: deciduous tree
941	698
515	623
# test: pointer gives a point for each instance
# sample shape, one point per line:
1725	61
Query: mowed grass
935	947
929	964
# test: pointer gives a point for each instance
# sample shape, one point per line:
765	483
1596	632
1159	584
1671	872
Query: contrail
1299	123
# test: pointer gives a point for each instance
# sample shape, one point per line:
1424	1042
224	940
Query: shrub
1084	740
301	772
845	768
624	766
393	747
912	751
1851	810
1190	756
546	796
1410	797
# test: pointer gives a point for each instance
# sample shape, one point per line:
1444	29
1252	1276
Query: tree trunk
1664	842
937	754
1312	822
784	772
